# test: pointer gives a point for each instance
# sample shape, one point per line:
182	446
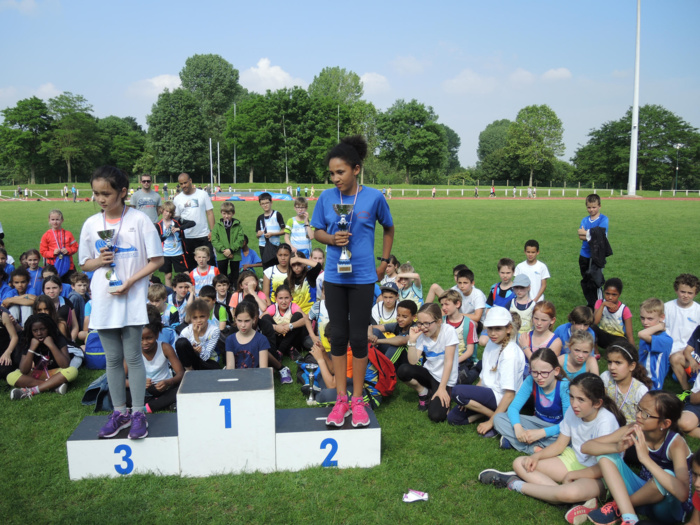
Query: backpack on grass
386	372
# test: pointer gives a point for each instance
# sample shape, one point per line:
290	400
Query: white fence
681	193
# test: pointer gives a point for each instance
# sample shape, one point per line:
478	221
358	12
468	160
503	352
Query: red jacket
48	244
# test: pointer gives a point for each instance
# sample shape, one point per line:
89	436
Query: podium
226	423
158	454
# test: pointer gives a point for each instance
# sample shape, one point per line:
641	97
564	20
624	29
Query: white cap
497	316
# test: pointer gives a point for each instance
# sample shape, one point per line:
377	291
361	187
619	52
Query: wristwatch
383	259
291	326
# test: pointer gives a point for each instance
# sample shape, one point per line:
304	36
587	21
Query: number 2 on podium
226	403
329	461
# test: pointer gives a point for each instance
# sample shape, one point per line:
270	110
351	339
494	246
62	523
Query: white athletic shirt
537	273
472	302
509	364
581	431
158	368
435	353
194	208
137	242
680	323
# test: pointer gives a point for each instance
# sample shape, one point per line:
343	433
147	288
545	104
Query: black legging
349	312
155	399
223	266
407	372
293	338
190	359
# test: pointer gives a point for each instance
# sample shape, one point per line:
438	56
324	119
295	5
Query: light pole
675	182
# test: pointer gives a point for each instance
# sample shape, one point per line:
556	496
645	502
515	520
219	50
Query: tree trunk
32	178
68	166
408	177
250	176
531	171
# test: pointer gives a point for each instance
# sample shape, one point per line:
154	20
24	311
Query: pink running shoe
340	411
360	418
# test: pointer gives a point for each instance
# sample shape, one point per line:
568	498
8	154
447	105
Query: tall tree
24	131
338	84
494	137
214	83
453	144
124	141
177	133
75	136
411	139
535	138
605	158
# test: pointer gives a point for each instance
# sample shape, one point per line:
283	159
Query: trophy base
344	267
114	286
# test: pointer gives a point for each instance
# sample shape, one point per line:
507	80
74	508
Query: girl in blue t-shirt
549	387
35	278
248	348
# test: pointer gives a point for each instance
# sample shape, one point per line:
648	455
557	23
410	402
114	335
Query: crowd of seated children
536	271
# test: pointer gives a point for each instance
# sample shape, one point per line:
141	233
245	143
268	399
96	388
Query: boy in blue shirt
249	258
654	343
594	220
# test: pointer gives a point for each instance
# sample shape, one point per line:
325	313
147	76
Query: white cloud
7	92
469	82
26	7
375	84
521	77
265	76
150	88
47	91
409	65
560	73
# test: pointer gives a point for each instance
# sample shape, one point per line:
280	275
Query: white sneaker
62	389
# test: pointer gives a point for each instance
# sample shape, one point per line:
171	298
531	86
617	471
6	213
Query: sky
473	62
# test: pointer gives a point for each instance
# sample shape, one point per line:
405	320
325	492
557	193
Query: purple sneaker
116	422
139	426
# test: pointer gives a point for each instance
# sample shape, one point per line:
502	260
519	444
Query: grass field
653	242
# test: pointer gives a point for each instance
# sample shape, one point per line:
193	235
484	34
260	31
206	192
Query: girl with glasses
437	342
549	388
661	490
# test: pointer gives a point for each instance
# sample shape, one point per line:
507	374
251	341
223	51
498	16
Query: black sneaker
496	478
423	402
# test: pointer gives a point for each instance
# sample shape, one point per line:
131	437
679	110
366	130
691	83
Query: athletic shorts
70	373
568	457
176	262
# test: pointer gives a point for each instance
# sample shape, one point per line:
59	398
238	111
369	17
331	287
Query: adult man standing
146	199
195	205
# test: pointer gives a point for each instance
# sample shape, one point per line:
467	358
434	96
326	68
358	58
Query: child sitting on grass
625	380
501	293
682	318
196	346
466	335
521	303
579	357
541	336
248	348
409	284
391	339
384	312
580	318
654	343
433	381
45	364
612	318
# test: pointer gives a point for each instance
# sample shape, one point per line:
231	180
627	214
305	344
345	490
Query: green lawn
653	242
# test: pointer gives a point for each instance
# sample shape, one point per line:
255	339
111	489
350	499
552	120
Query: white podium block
226	422
89	456
304	440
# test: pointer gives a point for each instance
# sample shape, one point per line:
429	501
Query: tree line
283	136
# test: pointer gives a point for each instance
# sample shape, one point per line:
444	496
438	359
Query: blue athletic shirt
371	207
587	223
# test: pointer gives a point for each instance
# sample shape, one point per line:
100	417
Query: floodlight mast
632	177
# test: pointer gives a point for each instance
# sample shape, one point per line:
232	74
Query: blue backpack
94	353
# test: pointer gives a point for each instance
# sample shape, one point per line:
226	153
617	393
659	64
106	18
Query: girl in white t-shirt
502	367
392	271
561	473
119	314
433	381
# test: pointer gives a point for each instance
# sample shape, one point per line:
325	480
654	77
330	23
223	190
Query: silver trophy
108	237
343	210
311	369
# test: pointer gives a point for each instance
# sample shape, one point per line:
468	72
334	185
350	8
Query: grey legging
124	344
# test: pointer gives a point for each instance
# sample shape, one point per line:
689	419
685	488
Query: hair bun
358	142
